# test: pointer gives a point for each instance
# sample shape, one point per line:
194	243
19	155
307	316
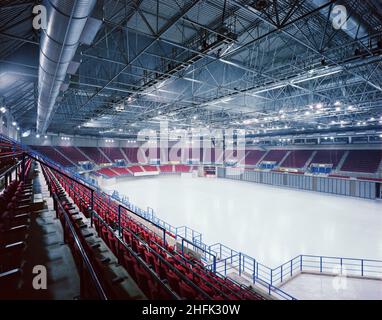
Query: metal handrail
10	170
101	292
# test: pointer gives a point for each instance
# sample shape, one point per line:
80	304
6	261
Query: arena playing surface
268	223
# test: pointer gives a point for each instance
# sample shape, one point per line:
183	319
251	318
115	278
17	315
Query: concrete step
45	247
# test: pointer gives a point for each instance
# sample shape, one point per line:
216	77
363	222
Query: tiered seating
275	155
108	172
135	169
122	171
328	157
16	201
9	155
297	159
150	168
113	153
53	154
208	152
253	157
170	274
94	154
366	161
72	153
182	168
166	168
115	281
131	154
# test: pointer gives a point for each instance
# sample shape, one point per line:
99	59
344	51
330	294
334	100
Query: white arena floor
268	223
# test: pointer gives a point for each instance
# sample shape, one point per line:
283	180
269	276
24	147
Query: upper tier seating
72	153
131	154
328	157
275	155
208	155
113	153
53	154
253	157
297	159
366	161
94	154
196	154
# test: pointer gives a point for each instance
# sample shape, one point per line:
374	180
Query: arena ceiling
269	67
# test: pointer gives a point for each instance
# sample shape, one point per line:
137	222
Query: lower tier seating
161	271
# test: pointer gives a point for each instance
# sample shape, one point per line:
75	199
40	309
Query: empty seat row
186	276
15	206
116	282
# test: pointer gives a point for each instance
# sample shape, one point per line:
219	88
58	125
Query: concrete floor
323	287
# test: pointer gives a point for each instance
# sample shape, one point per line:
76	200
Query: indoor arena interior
191	150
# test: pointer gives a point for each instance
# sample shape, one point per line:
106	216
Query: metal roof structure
269	67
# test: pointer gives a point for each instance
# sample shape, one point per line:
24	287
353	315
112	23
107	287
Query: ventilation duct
59	42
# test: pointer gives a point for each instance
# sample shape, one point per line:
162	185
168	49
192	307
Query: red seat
186	291
173	280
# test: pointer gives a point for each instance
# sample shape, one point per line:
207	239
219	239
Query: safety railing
240	263
85	265
10	174
350	267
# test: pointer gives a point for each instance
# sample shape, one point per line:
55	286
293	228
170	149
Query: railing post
225	267
281	273
214	263
291	268
341	265
362	267
271	276
182	246
23	167
91	207
164	235
301	263
239	263
119	221
92	199
320	264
